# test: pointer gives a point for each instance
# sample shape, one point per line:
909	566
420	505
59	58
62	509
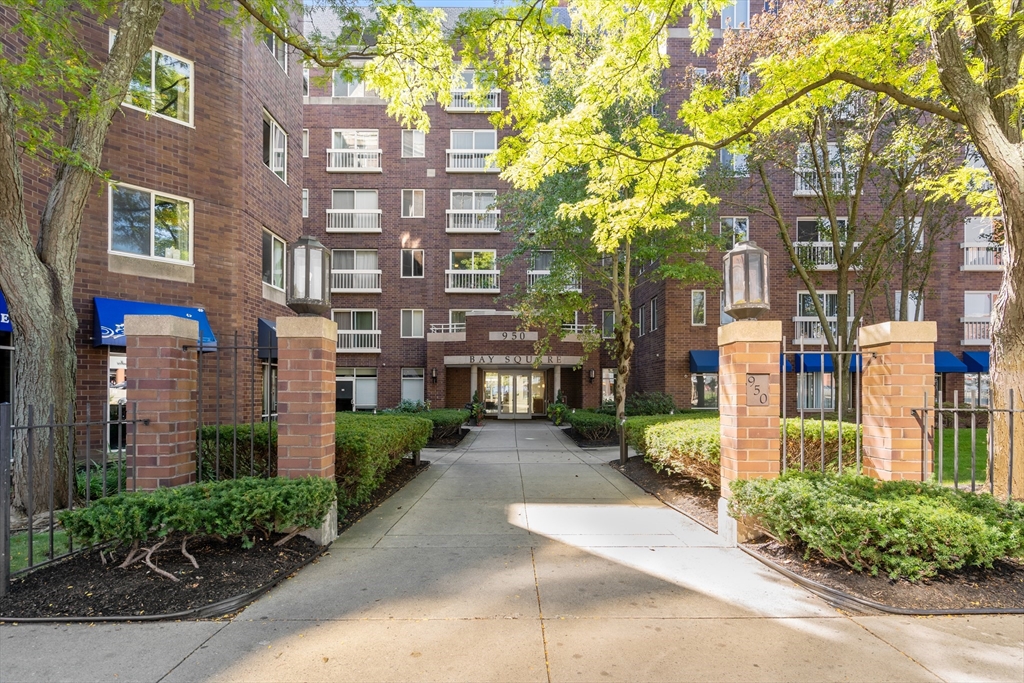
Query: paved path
520	557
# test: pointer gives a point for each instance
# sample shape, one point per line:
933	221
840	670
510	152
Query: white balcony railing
578	328
472	221
535	276
810	329
820	255
470	161
462	100
977	330
447	328
345	281
353	160
807	184
472	281
982	256
353	220
359	341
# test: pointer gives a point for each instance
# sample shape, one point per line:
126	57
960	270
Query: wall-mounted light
591	375
433	375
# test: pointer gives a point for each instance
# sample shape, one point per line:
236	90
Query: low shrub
688	443
367	447
233	508
91	477
812	444
447	422
906	529
406	406
592	426
230	451
557	412
652	403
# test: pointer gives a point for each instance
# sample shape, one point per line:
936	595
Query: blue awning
704	361
785	365
812	362
266	338
976	361
947	362
5	318
108	326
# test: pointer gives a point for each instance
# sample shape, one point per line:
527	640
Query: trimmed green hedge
263	437
447	422
367	447
688	443
592	426
812	444
906	529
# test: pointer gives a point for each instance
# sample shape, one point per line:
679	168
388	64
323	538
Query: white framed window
473	200
412	263
723	317
305	82
412	384
348	86
475	140
358	386
414	203
607	323
829	301
305	203
733	164
273	260
700	75
915	305
734	229
704	390
412	323
161	85
698	307
277	47
980	229
275	147
414	144
654	314
815	390
354	200
353	259
916	232
978	304
608	385
354	138
818	229
472	259
305	143
977	390
640	321
150	224
736	15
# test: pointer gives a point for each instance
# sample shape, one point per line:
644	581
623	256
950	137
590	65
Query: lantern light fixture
746	281
309	273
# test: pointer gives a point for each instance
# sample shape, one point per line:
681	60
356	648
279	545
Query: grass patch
40	548
948	452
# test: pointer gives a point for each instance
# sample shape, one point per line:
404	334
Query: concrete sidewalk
520	557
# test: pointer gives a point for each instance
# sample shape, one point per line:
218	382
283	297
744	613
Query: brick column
161	379
749	433
899	371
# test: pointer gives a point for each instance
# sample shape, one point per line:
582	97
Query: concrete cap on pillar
898	332
750	331
306	327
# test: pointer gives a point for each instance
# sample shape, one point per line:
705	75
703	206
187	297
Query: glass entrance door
520	393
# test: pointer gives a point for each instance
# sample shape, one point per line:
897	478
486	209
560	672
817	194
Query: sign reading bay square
511	359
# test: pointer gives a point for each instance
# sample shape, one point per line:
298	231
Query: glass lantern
309	272
746	281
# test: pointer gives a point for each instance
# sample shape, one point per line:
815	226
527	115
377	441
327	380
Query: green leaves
367	447
687	443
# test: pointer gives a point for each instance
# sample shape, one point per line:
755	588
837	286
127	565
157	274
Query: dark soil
82	586
1002	586
686	494
449	442
393	482
589	443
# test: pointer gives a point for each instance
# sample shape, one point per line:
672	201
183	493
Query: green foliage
233	508
558	411
256	451
91	476
650	403
367	447
686	443
406	406
812	444
447	421
905	529
591	425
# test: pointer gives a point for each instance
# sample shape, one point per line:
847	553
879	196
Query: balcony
535	276
809	329
353	161
472	221
353	281
819	255
472	281
982	256
977	330
353	220
807	184
358	341
578	329
462	101
470	161
447	328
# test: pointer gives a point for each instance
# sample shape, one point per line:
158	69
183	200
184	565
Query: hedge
263	452
233	508
367	447
688	443
812	444
592	426
906	529
447	422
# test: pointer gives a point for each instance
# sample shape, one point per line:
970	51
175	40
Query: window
305	143
348	86
654	314
412	263
807	180
472	259
830	302
640	321
353	259
914	233
818	229
543	260
723	317
357	330
735	229
980	229
276	46
977	391
350	319
978	304
473	200
982	177
733	164
700	75
698	307
476	140
269	391
815	390
608	385
150	224
354	200
357	388
305	203
413	203
162	85
275	147
736	15
704	390
273	260
915	306
305	82
412	323
743	84
412	384
607	324
413	144
355	139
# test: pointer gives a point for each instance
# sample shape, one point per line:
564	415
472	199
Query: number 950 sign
757	390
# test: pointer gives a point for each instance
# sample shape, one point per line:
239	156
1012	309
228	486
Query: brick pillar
306	352
899	371
750	433
161	379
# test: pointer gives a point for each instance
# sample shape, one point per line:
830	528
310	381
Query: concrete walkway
520	557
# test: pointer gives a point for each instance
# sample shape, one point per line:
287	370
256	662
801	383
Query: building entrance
514	394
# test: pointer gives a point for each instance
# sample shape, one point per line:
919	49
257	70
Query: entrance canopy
815	362
947	362
976	361
108	327
704	361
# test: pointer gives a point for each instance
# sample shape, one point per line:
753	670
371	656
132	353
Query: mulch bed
82	586
1000	587
450	442
588	443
